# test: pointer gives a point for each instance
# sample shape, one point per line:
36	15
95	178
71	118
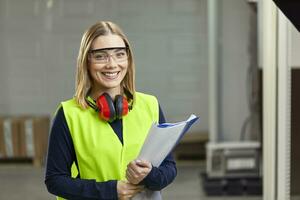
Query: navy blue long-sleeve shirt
61	155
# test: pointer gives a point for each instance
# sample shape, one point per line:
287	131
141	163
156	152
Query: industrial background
39	42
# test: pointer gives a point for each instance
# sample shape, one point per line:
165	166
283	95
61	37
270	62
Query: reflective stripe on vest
100	154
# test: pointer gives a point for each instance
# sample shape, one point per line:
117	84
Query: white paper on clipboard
160	141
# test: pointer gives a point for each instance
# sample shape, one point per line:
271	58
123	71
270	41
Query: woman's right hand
127	190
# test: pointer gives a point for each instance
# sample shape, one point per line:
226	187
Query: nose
111	62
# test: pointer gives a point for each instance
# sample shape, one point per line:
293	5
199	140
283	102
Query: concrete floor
22	182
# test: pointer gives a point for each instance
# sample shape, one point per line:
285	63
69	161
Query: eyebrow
110	48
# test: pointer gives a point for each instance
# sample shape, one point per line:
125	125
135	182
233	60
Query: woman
97	135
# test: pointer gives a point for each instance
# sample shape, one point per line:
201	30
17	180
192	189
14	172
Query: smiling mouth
109	75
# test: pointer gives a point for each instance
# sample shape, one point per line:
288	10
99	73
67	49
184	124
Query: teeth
110	74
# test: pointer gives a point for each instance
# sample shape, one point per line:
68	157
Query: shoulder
146	101
145	97
70	107
70	104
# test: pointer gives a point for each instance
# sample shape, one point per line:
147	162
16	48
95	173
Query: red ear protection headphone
108	109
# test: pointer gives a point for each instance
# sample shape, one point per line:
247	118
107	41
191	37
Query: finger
132	164
136	179
143	163
139	164
130	174
135	172
130	186
130	178
129	193
136	187
125	197
133	167
139	170
134	192
140	189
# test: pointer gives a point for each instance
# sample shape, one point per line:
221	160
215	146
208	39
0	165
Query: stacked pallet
24	137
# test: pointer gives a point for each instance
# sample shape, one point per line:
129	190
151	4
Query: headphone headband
88	101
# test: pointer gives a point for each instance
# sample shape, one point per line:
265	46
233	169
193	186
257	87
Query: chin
111	85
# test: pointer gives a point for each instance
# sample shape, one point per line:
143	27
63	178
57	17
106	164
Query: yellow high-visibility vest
99	152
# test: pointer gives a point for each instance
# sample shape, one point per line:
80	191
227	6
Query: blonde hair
83	79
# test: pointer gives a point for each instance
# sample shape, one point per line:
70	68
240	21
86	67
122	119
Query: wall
40	40
295	48
234	61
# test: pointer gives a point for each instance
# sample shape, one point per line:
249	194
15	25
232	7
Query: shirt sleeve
61	156
160	177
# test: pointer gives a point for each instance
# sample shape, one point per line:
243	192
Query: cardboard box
33	135
9	136
24	137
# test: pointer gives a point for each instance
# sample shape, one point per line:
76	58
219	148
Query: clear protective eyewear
102	56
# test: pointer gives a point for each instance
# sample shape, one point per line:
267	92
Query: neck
96	92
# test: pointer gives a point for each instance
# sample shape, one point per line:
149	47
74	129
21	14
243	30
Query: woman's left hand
137	170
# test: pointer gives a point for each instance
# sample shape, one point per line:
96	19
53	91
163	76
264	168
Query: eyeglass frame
108	54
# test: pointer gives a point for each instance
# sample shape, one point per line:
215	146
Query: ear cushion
121	106
125	107
106	107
